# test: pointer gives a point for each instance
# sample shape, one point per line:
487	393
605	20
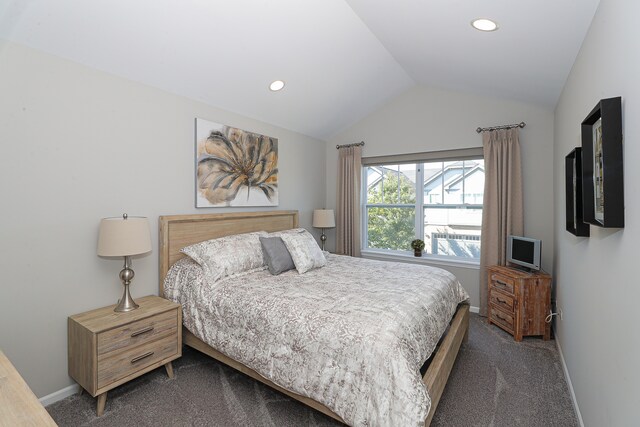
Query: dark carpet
495	382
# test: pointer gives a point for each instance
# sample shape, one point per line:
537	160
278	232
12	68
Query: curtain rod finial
479	129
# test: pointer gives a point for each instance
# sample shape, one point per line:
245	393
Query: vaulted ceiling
340	59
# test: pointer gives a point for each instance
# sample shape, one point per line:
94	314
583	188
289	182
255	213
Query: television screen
524	251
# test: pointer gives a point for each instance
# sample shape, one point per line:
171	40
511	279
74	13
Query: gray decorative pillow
304	250
276	255
228	256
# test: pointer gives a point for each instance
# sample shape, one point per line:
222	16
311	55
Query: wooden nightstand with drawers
107	349
519	301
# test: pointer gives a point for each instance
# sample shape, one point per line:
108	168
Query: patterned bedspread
351	335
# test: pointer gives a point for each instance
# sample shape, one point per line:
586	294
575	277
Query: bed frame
178	231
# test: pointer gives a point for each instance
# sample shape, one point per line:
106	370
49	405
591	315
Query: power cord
549	318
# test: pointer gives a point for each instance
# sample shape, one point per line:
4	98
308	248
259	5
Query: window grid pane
464	178
382	184
391	227
453	231
398	186
433	183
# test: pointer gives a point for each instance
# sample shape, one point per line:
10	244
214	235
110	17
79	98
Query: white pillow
289	231
304	250
228	255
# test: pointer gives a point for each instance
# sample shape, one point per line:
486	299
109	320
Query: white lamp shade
124	237
323	218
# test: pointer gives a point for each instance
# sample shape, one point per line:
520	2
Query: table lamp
124	237
323	218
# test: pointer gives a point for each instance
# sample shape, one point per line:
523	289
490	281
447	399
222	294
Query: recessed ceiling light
276	85
484	24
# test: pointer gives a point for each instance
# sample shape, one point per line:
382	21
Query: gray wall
597	283
79	145
429	119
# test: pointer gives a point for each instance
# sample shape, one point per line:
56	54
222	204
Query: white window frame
467	154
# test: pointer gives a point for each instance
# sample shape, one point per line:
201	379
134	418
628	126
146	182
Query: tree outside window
389	226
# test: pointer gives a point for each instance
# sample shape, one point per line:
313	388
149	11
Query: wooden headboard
178	231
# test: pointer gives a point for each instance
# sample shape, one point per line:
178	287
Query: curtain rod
351	145
515	125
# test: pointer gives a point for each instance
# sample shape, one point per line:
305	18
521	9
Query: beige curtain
502	212
348	203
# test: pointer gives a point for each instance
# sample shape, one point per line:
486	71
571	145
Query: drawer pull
139	358
142	331
501	284
500	317
500	300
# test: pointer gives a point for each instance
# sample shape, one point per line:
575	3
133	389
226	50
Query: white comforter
352	335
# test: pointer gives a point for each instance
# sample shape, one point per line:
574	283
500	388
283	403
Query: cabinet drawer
138	332
117	365
504	283
501	300
502	318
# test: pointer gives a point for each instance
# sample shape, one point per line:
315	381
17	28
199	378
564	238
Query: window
437	201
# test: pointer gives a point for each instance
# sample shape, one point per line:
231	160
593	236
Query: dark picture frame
602	165
573	180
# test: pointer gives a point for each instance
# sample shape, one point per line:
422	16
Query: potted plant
417	246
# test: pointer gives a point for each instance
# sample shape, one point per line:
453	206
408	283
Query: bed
179	231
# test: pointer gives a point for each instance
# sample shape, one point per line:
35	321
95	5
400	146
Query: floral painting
235	167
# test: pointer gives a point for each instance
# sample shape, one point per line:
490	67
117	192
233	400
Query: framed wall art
234	167
602	165
573	180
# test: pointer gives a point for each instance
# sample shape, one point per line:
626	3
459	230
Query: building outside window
439	202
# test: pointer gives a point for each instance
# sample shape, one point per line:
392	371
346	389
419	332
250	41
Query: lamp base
126	303
323	238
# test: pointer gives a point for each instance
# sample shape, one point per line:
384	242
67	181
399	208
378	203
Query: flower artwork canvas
234	167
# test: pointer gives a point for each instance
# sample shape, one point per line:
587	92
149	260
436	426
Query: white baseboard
474	309
566	375
59	395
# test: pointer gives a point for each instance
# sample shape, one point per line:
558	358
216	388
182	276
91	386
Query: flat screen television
524	252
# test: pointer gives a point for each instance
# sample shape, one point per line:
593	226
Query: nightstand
519	302
20	407
107	349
